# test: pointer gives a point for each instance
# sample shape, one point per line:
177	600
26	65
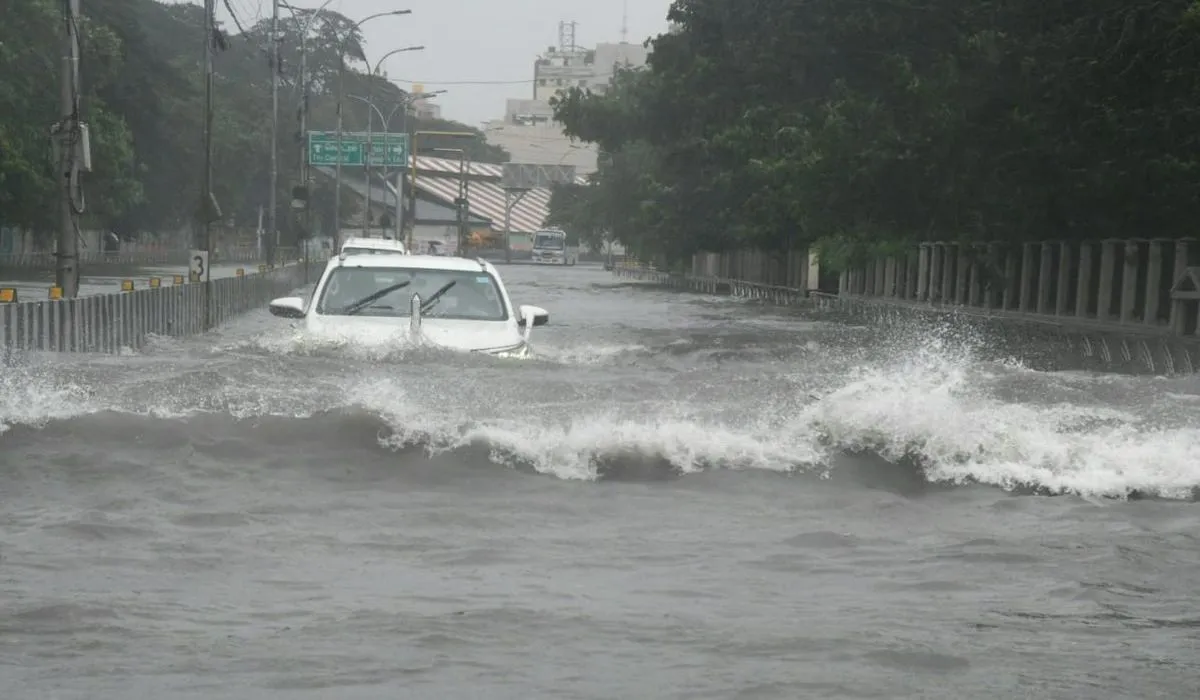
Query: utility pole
273	211
209	211
341	92
304	181
466	205
72	143
512	197
337	170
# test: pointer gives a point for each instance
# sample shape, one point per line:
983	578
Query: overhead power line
479	82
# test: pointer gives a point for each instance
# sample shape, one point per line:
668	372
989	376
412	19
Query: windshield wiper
351	309
433	298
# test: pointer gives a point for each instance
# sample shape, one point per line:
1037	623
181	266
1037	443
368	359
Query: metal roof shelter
437	181
430	210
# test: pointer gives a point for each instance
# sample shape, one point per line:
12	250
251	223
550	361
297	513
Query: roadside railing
1131	306
110	323
710	284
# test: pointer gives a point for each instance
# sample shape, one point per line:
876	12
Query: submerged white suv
456	303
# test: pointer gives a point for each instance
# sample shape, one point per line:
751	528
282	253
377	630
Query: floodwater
683	497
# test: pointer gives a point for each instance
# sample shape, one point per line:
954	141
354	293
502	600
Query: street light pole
209	207
413	179
273	203
405	103
370	122
337	179
302	141
462	213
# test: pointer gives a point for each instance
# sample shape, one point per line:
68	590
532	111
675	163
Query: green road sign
387	150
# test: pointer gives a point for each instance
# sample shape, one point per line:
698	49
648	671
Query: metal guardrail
110	323
740	289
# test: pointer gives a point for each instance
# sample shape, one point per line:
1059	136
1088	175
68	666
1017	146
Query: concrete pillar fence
1144	284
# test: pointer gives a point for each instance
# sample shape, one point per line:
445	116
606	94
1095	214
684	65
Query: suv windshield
468	294
548	242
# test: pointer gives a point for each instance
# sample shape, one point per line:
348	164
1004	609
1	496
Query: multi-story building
423	108
567	65
611	58
528	130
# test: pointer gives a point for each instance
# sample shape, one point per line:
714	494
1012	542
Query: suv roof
420	262
380	244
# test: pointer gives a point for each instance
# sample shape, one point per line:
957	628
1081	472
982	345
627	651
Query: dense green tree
144	102
29	185
861	125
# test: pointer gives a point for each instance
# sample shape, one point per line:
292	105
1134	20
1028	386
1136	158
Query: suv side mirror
532	315
287	307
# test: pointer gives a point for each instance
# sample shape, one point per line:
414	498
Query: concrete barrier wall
48	261
110	323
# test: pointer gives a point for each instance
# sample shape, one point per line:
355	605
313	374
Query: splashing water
934	406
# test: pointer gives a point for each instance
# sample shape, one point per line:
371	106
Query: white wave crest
955	417
34	396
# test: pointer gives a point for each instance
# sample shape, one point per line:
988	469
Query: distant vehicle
550	247
450	302
368	246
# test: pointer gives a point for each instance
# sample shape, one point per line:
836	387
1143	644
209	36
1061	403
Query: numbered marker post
198	264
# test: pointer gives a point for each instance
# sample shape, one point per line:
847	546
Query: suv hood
450	333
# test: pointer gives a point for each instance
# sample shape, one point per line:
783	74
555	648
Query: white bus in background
550	247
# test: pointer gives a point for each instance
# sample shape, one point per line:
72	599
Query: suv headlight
519	351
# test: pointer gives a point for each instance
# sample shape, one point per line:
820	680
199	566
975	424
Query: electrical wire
482	82
236	22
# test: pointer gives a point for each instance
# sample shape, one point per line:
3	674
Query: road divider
111	323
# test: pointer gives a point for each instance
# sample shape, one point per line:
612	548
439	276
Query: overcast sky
480	51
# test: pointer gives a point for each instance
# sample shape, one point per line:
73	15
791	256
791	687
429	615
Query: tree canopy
864	125
143	98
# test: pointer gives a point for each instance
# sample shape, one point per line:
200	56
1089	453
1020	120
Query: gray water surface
683	497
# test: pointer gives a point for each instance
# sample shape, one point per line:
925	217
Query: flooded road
682	497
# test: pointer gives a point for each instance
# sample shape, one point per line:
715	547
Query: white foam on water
33	396
936	406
